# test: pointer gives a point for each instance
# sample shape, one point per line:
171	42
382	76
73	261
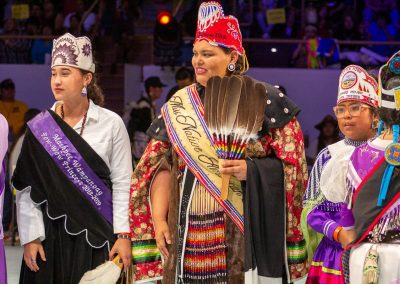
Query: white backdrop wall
32	83
313	90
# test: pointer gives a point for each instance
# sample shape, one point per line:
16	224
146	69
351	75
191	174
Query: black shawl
56	193
264	221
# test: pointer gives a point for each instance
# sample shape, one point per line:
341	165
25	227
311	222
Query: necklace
83	121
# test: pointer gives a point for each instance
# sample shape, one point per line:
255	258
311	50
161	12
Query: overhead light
273	49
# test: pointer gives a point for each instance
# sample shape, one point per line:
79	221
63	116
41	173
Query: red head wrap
217	29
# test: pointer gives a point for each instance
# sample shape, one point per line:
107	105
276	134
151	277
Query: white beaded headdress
73	51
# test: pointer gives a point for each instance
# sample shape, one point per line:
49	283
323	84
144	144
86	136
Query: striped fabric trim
327	225
325	269
144	251
296	252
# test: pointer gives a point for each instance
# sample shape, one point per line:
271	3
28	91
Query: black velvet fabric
280	109
264	222
69	254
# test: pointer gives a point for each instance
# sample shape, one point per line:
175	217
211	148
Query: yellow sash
190	138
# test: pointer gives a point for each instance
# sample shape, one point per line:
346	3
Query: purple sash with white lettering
71	163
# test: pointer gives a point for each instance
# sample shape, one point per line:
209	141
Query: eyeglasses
354	110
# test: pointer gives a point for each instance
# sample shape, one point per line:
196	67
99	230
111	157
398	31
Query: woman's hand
30	254
346	237
123	248
236	168
163	237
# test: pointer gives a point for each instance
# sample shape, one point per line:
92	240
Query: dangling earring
84	91
375	123
231	67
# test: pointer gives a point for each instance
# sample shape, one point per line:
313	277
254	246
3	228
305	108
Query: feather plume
210	106
234	113
229	110
252	118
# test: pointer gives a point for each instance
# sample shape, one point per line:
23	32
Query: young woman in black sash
73	176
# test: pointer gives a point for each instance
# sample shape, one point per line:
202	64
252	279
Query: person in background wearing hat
73	176
176	205
12	109
141	114
3	151
373	185
328	134
184	77
324	209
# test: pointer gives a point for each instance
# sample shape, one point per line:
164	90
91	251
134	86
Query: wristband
124	236
336	233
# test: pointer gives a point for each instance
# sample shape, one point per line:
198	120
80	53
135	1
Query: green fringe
311	237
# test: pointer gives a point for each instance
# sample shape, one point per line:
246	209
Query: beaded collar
354	143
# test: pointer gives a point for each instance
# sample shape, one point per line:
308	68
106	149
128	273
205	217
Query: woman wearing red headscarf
176	207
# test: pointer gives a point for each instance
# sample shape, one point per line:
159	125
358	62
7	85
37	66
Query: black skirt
68	257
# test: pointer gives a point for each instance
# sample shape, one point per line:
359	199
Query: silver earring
84	91
231	67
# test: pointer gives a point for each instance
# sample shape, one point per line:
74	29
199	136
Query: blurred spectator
362	29
328	53
189	20
382	30
311	14
305	55
291	30
88	19
49	13
328	134
12	109
347	30
375	7
74	25
184	76
141	114
261	17
59	28
324	24
36	13
339	8
32	26
41	47
13	50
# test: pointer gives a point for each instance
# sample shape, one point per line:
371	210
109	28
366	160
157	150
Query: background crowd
322	23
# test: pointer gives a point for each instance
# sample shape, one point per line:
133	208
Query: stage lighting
167	40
